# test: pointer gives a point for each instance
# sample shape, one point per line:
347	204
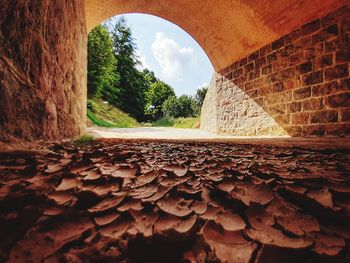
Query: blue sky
171	53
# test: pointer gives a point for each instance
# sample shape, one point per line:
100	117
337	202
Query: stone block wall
42	69
297	85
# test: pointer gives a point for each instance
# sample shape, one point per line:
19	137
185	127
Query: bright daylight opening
146	78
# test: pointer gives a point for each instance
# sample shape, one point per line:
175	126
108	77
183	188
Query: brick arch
227	30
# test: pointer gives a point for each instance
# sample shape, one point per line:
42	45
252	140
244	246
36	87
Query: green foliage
155	97
105	115
84	139
132	83
198	100
177	122
178	107
102	77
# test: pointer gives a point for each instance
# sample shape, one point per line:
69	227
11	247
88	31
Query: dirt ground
153	201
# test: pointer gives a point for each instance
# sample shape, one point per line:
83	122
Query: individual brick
266	70
323	61
342	55
294	107
337	129
294	130
243	61
314	130
278	87
334	16
312	104
338	71
277	44
253	56
304	67
292	36
310	27
345	84
299	118
345	114
283	119
313	78
338	100
302	93
260	62
265	50
249	67
279	64
277	109
238	72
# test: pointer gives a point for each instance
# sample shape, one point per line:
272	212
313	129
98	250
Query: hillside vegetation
106	115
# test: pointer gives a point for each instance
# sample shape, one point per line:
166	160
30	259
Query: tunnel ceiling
227	30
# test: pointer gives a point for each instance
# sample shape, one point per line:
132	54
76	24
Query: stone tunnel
281	67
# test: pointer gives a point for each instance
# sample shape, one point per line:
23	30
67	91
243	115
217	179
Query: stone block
294	130
277	109
314	130
313	78
342	55
260	62
253	56
304	67
312	104
324	116
310	27
249	67
294	107
279	64
338	71
345	114
238	72
337	129
243	61
338	100
278	87
283	119
300	118
345	84
272	57
265	50
277	44
266	70
292	36
302	93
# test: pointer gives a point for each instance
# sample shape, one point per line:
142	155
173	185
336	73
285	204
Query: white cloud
171	57
204	84
142	58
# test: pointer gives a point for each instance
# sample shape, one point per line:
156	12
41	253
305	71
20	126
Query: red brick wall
301	80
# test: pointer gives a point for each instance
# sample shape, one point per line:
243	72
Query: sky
170	52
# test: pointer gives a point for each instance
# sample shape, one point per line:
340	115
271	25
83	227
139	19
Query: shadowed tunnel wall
43	62
298	85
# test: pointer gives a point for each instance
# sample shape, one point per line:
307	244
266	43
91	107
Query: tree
198	99
132	84
178	107
102	77
155	97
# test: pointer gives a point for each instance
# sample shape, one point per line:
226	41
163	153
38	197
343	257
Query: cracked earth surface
174	202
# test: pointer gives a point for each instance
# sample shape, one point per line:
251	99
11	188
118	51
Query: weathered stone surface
301	81
42	69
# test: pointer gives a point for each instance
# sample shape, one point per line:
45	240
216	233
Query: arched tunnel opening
280	67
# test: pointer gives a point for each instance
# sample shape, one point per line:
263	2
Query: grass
178	122
84	139
105	115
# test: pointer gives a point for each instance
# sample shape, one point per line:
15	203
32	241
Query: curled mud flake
226	185
176	206
67	184
248	192
144	221
54	168
323	197
147	177
212	212
280	207
199	207
145	191
258	217
125	172
80	168
131	204
171	181
87	199
103	190
106	204
162	190
299	224
187	189
328	244
53	211
272	236
106	219
175	228
230	221
215	177
116	229
217	233
61	197
92	175
296	189
179	170
37	245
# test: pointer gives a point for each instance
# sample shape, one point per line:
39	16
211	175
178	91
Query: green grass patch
84	139
177	123
105	115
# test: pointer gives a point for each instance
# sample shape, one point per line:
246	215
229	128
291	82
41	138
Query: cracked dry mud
174	202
